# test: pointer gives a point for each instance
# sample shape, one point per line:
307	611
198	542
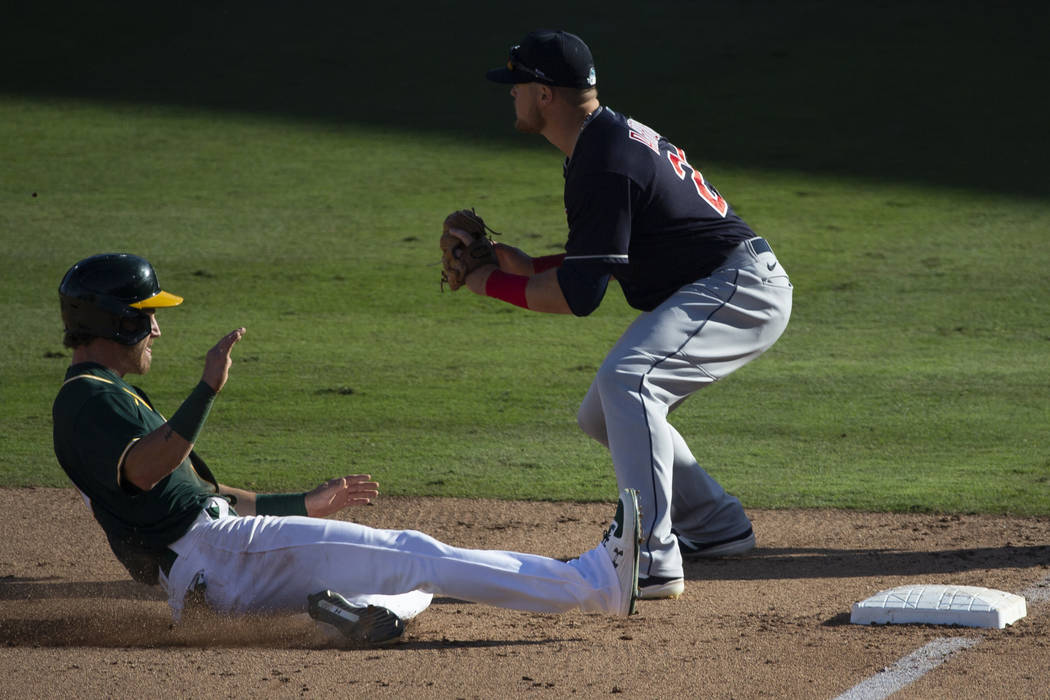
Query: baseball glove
459	259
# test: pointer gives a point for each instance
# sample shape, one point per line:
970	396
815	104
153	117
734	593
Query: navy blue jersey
637	210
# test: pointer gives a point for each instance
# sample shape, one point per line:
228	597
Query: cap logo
592	77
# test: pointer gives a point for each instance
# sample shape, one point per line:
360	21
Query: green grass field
914	374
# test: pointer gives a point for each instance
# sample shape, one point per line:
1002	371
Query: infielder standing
169	521
712	294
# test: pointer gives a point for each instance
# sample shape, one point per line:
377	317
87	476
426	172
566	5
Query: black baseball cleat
371	625
731	547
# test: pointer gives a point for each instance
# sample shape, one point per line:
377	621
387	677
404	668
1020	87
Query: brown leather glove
459	259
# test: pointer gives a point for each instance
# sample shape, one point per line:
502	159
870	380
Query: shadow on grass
928	92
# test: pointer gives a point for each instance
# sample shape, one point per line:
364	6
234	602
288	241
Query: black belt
760	246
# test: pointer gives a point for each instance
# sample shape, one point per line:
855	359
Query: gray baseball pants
703	332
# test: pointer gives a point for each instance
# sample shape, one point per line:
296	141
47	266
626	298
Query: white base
968	606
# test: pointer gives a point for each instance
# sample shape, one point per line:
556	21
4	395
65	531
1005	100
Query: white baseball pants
270	564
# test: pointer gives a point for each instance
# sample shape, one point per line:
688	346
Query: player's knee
592	423
591	418
614	380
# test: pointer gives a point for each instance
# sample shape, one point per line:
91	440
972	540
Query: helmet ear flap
133	328
102	318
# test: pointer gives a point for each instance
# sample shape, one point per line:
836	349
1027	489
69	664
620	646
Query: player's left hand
336	494
217	362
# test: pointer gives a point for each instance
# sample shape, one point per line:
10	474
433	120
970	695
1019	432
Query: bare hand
336	494
217	362
513	260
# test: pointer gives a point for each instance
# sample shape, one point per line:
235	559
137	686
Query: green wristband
190	417
280	504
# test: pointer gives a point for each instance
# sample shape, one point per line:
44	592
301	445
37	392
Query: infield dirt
772	624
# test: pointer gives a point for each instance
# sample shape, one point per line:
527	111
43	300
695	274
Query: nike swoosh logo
770	266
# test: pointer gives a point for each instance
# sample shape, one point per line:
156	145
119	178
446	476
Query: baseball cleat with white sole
657	587
370	625
621	544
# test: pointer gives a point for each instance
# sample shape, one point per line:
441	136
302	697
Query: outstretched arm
513	260
328	498
531	283
540	292
160	452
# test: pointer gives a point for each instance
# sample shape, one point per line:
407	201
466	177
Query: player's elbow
138	481
582	310
583	294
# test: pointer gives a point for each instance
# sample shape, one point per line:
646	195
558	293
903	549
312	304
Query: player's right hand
513	260
217	362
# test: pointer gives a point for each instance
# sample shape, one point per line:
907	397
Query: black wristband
190	417
280	504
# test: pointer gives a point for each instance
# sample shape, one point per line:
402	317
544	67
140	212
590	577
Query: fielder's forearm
544	293
541	292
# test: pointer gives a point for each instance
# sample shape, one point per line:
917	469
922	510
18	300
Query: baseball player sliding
713	296
169	521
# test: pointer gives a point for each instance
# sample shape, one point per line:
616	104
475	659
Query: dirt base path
773	624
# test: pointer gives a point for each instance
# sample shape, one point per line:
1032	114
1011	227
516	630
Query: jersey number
678	162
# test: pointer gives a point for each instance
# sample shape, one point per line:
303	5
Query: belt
759	246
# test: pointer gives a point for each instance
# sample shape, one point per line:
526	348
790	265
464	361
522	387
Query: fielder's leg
751	319
700	507
705	331
699	504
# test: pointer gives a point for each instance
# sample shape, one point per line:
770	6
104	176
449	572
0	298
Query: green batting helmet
104	296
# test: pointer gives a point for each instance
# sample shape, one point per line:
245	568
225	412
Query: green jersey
98	418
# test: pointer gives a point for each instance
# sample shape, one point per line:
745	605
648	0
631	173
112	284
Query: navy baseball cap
549	57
